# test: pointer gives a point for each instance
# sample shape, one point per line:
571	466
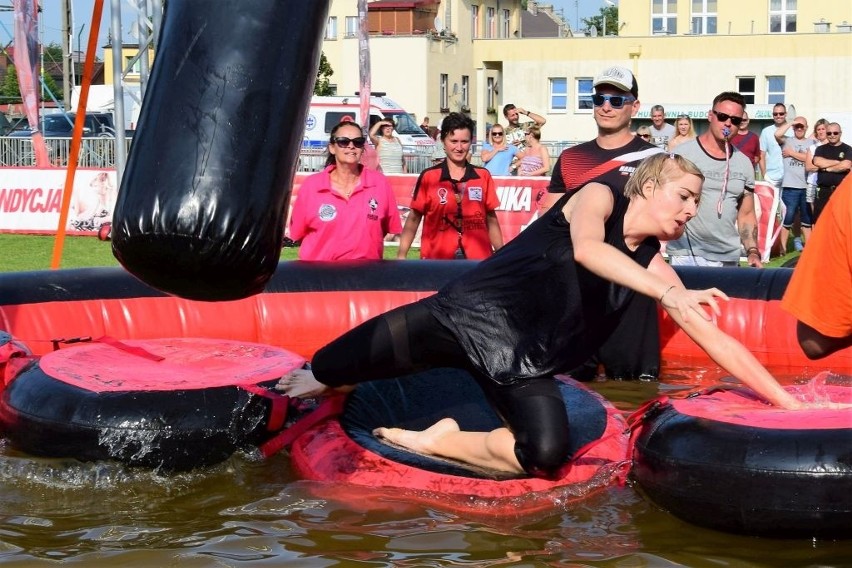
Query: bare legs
493	450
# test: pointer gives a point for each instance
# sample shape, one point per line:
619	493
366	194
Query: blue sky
51	19
51	22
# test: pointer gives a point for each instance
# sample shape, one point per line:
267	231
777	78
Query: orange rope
76	140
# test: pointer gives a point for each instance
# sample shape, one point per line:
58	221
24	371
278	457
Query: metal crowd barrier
94	152
100	153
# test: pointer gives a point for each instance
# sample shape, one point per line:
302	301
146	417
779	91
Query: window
664	16
704	17
775	89
558	94
351	26
333	118
136	68
584	94
745	87
782	16
465	92
506	24
490	23
444	92
474	21
331	28
490	95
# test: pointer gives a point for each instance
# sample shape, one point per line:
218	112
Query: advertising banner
31	199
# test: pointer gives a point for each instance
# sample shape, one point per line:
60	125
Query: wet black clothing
409	339
513	321
633	349
529	310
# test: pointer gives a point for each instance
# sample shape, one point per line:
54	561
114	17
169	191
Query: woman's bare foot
426	442
301	383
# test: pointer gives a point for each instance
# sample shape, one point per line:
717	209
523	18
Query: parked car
97	125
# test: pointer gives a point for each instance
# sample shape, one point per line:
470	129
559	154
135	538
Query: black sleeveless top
530	310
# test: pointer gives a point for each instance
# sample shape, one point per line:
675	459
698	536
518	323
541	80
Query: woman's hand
686	301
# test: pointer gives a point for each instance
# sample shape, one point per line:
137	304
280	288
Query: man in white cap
633	350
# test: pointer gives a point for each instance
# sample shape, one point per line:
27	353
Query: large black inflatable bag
203	200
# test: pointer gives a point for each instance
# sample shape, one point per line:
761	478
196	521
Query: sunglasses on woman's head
497	133
344	141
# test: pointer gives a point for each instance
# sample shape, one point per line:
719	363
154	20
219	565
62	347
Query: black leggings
409	339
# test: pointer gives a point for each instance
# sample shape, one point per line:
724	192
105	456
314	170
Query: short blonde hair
661	168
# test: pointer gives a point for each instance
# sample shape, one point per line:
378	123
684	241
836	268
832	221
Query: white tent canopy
102	99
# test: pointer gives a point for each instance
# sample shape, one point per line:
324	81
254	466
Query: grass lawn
34	252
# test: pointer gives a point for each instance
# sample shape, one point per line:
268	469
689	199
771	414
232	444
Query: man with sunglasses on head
771	161
794	185
833	160
515	132
633	351
726	219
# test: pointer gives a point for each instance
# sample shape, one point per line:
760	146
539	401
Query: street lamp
79	49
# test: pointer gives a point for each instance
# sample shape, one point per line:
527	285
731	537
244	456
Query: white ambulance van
326	112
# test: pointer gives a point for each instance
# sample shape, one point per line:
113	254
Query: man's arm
408	233
747	224
537	118
809	161
816	345
790	153
495	235
834	166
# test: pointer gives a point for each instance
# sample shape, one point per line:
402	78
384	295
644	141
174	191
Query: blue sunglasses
615	101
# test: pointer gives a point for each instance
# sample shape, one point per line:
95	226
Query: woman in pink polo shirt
344	211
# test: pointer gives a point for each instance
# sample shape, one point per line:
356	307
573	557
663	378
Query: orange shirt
435	197
820	290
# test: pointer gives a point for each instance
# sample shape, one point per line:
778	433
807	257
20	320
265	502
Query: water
249	512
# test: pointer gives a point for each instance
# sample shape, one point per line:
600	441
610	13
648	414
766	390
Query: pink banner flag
370	158
27	66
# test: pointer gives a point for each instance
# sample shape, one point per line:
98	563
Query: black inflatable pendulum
202	203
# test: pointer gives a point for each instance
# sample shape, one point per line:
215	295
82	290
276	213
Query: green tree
323	82
52	53
10	91
50	85
597	22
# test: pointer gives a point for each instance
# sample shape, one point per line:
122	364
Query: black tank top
530	310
